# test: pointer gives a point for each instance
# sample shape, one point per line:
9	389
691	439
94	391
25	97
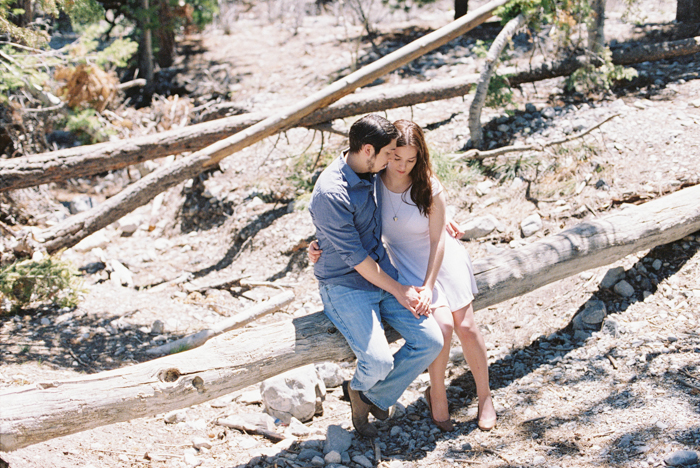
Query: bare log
198	339
74	229
235	360
88	160
620	56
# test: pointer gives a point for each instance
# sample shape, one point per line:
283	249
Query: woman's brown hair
410	134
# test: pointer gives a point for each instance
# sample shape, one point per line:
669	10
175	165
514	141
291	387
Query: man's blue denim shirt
348	227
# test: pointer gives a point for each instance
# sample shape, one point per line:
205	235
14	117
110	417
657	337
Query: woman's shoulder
436	186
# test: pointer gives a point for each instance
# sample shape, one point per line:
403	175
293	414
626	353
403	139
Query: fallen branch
198	339
238	359
240	425
481	155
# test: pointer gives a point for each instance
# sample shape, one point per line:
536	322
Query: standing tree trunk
146	46
688	11
596	34
482	88
461	7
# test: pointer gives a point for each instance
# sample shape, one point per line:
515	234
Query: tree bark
236	360
84	161
74	229
487	72
688	11
596	28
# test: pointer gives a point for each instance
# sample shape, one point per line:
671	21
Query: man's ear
367	150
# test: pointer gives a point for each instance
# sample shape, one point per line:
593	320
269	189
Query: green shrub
47	280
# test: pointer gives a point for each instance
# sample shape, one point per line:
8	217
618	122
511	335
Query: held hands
412	298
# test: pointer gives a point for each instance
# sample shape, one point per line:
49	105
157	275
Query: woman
413	228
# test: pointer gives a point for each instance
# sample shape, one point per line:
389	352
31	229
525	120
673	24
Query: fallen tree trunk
238	359
88	160
76	228
93	159
621	56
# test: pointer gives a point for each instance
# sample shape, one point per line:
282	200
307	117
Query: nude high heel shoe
444	426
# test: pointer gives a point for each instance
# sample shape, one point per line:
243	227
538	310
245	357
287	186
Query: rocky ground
625	394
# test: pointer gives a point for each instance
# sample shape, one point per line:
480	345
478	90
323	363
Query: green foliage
303	168
86	125
21	70
481	48
47	280
451	174
499	94
590	78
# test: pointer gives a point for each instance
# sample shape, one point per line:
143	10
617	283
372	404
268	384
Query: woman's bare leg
438	392
474	350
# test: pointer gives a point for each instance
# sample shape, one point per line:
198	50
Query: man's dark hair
374	130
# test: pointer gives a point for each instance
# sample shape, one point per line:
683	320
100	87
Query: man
358	283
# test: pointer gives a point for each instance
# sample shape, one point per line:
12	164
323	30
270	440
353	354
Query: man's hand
410	297
454	230
314	252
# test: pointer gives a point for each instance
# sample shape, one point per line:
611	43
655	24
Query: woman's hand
425	299
314	252
454	230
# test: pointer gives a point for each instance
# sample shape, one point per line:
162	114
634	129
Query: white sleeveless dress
406	234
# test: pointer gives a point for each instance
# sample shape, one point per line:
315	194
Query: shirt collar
349	174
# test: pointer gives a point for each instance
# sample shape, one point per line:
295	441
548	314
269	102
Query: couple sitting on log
383	189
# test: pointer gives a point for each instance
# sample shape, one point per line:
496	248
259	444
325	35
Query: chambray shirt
348	227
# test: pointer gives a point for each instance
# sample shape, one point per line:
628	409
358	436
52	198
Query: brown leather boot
360	413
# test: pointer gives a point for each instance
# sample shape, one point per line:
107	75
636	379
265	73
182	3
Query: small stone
682	458
657	264
530	108
157	327
539	460
318	461
200	443
337	439
308	454
484	187
531	225
479	227
612	277
395	431
45	321
363	461
593	313
333	457
548	113
174	417
624	289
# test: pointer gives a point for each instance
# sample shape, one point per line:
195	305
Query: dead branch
481	155
198	339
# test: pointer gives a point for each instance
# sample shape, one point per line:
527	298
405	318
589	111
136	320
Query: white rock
200	443
479	227
175	417
484	187
97	239
296	393
330	373
120	275
333	457
531	225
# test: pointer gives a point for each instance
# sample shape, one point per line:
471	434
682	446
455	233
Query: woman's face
403	161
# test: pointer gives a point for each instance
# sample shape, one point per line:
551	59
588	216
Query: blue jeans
358	314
